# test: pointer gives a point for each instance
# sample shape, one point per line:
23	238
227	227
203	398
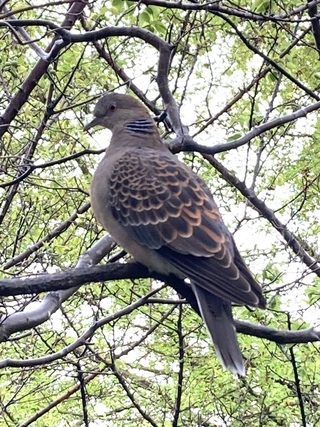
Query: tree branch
191	145
37	72
267	213
80	341
74	278
26	320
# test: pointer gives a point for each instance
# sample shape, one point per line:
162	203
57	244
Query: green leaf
159	27
118	5
234	137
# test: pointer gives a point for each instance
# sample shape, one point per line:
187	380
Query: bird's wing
166	207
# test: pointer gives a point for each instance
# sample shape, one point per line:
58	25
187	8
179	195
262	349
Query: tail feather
217	316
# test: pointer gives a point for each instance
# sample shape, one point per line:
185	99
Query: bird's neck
134	132
141	126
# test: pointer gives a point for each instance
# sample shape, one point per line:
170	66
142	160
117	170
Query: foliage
234	67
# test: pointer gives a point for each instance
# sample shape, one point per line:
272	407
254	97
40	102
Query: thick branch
71	278
76	277
313	13
191	145
21	321
217	6
267	213
276	335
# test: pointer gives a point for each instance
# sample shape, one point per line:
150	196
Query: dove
163	214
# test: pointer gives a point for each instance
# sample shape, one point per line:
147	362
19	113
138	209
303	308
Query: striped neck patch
141	126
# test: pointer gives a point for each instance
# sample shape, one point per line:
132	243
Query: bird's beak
95	122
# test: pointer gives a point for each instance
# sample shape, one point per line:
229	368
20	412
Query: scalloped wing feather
166	207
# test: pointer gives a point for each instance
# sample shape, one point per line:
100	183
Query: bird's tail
217	316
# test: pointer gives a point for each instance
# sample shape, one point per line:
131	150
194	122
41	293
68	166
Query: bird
164	215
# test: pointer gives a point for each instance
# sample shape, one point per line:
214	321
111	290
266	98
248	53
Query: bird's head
116	109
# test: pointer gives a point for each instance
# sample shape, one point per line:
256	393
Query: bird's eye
112	107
